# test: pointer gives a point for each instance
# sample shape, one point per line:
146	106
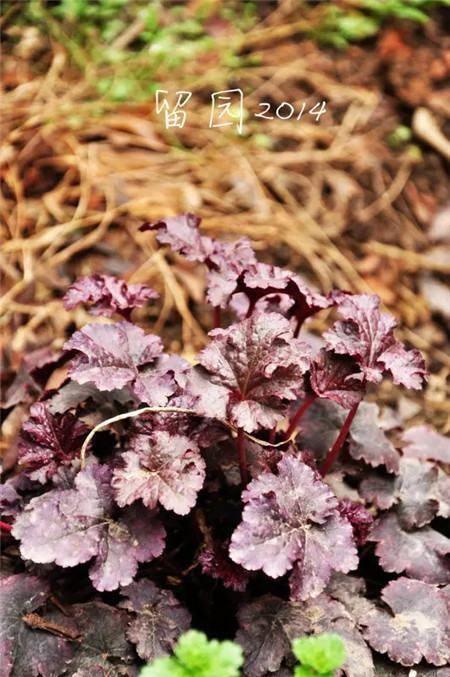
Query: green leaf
323	653
196	656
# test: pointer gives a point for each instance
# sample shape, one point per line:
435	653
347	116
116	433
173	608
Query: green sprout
319	656
196	656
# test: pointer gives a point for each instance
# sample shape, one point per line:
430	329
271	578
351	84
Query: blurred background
352	192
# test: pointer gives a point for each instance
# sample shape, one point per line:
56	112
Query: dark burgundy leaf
159	619
111	355
31	376
359	517
102	649
291	520
107	295
71	526
367	335
215	562
267	627
262	279
424	442
421	554
26	652
419	625
161	468
250	371
48	440
335	377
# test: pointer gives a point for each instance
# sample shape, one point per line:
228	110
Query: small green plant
196	656
320	655
363	19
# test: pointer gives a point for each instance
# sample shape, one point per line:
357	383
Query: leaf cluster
153	491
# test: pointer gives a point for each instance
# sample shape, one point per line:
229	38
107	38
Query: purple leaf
71	526
157	383
107	295
423	442
290	520
367	335
159	619
102	647
419	625
26	652
420	554
262	279
421	491
335	377
224	260
255	367
162	468
49	440
215	562
368	442
267	627
182	234
111	355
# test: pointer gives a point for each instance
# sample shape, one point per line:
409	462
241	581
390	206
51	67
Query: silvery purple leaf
418	626
161	468
111	355
423	442
367	335
290	520
107	295
421	554
253	368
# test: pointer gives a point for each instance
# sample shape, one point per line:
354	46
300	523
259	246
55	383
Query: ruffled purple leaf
72	526
26	652
225	260
162	468
335	377
250	371
112	355
421	554
262	279
423	442
158	619
419	625
181	233
49	440
107	295
367	334
291	521
420	492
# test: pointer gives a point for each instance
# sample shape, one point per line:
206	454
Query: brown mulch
331	200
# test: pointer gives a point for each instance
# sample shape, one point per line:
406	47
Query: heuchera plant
249	494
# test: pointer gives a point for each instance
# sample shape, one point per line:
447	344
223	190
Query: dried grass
330	200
